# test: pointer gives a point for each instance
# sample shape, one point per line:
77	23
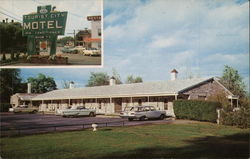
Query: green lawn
151	141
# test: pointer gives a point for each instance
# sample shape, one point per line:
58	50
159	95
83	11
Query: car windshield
80	108
136	109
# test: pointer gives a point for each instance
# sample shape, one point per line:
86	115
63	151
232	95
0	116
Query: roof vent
174	73
29	88
112	81
71	85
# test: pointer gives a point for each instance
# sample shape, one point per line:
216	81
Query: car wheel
142	118
130	119
34	111
91	114
162	117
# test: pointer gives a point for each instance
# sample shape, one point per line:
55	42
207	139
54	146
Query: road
73	59
23	121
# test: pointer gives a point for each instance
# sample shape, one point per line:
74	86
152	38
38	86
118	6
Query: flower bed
47	59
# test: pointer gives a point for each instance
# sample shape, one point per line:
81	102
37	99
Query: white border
73	66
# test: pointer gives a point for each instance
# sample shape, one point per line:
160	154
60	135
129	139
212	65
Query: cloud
191	36
161	42
150	38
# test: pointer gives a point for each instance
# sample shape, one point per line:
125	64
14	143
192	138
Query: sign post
43	25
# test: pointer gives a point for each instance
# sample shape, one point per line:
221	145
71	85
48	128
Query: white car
92	52
25	109
80	49
77	111
142	113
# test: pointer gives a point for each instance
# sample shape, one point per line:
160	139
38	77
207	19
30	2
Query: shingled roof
124	90
26	96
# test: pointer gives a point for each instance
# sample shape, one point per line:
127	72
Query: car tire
130	119
91	114
162	117
34	111
142	118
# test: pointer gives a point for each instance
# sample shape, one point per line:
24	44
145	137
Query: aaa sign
44	23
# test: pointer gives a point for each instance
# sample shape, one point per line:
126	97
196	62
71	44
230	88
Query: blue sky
151	37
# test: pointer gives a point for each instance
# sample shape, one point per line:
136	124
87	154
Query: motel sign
44	25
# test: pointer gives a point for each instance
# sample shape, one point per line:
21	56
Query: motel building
113	98
96	32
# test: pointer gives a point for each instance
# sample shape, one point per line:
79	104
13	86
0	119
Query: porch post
175	96
237	102
231	102
69	103
52	105
148	100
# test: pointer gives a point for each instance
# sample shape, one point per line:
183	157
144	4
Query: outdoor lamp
94	126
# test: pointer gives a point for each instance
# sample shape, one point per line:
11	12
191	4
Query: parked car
92	52
25	109
142	113
77	111
70	50
80	49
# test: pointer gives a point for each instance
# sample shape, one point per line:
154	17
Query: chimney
71	85
112	81
174	74
29	88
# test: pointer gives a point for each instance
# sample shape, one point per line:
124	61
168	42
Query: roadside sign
45	25
43	46
44	22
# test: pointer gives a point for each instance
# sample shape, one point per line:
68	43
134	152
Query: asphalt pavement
10	121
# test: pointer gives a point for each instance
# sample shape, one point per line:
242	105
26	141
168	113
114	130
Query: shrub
17	55
12	56
4	107
4	57
231	116
237	118
196	110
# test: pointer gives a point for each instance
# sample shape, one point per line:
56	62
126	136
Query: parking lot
73	59
48	123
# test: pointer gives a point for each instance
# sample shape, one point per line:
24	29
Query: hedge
196	110
4	107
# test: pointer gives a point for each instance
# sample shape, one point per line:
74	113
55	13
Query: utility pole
74	36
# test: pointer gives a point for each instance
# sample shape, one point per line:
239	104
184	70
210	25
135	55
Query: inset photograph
51	33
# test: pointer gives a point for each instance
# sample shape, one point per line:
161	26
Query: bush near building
232	115
236	116
196	110
4	107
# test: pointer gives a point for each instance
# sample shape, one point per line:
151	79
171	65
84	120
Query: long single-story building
22	99
113	98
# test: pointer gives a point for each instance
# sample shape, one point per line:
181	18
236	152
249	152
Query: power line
11	13
11	16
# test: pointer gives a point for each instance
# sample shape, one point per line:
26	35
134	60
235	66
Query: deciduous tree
233	81
116	76
131	79
98	79
10	83
42	84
